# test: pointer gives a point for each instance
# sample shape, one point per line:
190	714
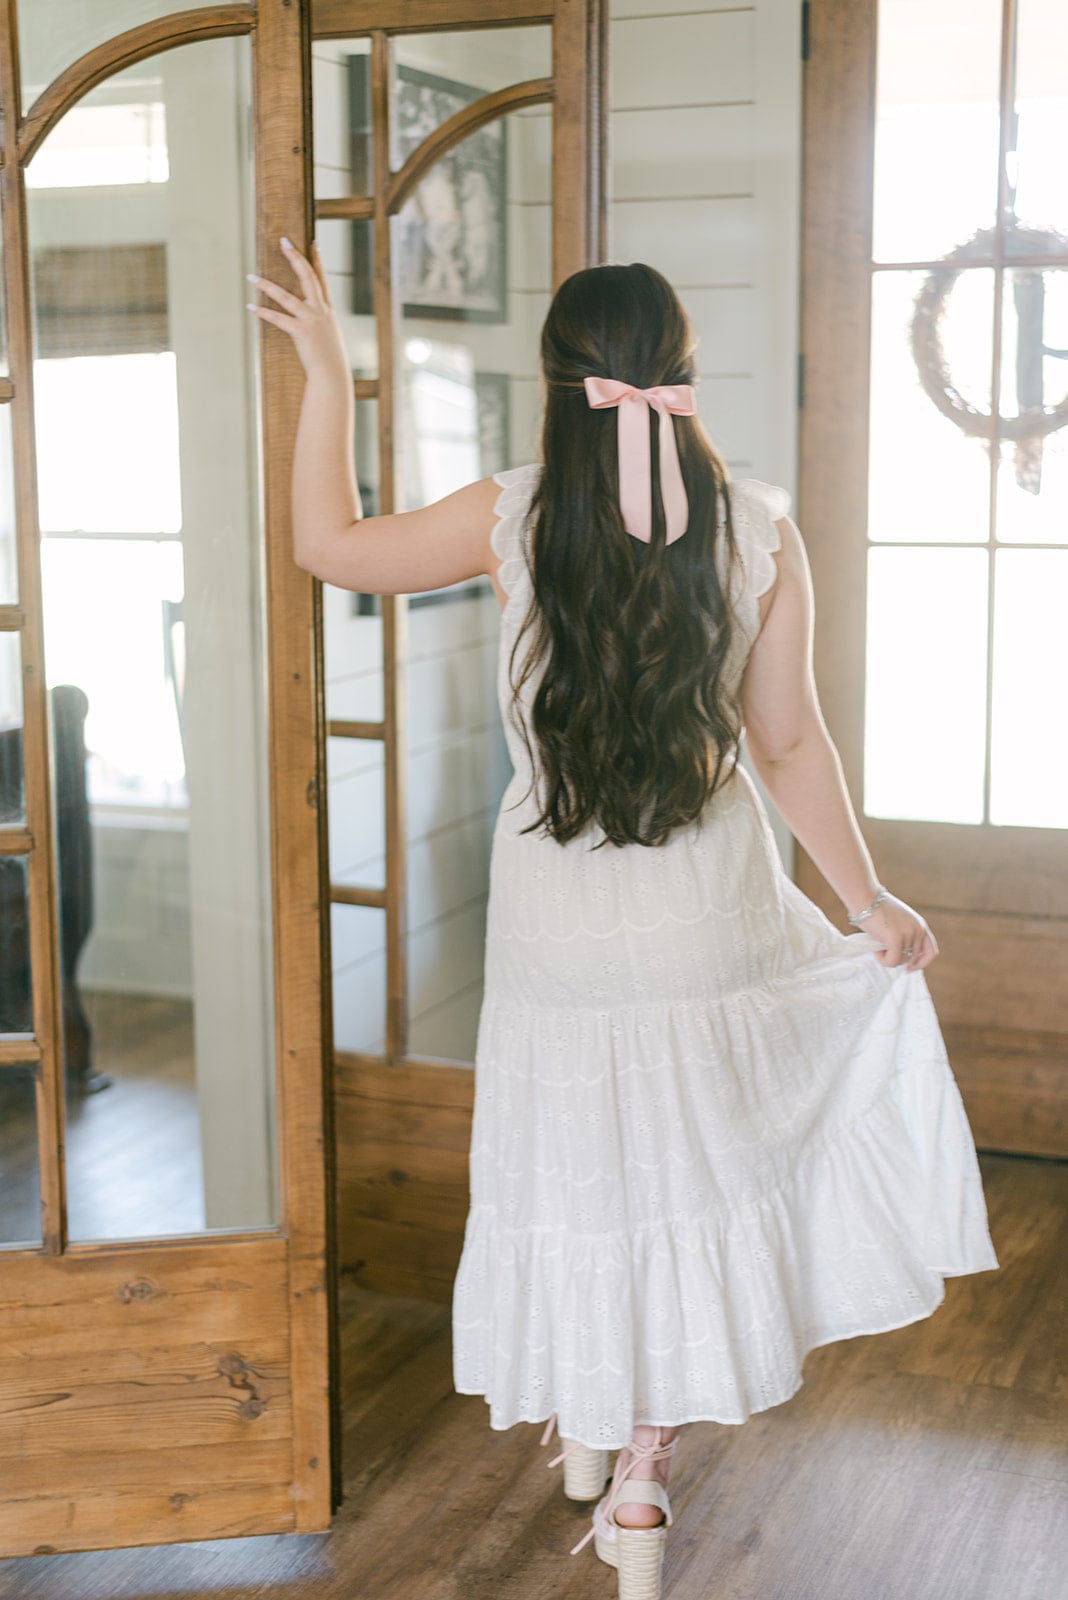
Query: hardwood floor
133	1149
930	1463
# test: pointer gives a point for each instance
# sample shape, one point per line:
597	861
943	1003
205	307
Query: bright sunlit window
108	606
97	145
107	444
108	466
968	541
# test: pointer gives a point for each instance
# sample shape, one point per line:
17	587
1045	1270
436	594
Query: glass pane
1033	465
357	812
473	268
20	1189
118	137
9	578
12	794
1029	758
108	457
346	252
458	768
342	150
365	453
16	994
4	367
155	655
928	478
936	131
54	33
353	655
341	110
925	720
358	949
1042	121
435	74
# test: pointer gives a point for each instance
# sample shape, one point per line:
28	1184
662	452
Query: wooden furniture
75	873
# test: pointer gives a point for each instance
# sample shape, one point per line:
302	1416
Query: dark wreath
1033	422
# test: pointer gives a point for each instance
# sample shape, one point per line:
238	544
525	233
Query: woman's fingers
918	943
289	324
291	302
320	271
309	281
925	947
905	937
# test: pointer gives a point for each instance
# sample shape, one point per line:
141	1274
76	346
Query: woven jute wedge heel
585	1469
636	1553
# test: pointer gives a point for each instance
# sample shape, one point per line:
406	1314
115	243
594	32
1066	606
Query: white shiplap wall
705	106
704	152
705	184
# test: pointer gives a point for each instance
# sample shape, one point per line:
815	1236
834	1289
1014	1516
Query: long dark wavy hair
632	725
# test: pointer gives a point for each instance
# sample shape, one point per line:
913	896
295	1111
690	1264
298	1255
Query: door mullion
1006	111
40	856
578	138
394	607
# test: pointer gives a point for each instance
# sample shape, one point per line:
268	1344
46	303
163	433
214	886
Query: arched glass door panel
470	266
474	265
55	33
153	591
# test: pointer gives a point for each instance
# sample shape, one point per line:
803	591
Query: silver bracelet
862	916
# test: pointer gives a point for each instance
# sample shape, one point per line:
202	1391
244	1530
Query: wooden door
165	1294
935	276
484	116
167	1194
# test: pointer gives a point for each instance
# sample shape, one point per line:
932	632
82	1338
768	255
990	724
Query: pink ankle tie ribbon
635	467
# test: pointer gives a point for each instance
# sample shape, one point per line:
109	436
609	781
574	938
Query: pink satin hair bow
635	466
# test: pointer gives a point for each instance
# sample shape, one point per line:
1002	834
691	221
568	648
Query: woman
711	1132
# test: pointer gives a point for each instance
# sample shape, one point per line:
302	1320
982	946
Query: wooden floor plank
930	1463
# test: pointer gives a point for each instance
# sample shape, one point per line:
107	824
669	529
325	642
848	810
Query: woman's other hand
898	928
311	322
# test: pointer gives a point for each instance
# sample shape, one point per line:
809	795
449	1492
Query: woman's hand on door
311	322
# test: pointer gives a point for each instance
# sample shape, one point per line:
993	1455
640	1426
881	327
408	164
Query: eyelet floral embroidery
710	1131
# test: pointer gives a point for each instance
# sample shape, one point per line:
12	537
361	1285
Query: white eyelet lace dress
710	1131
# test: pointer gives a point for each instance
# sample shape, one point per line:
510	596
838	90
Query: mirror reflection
472	269
141	225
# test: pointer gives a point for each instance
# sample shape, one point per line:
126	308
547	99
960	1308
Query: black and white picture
450	238
493	399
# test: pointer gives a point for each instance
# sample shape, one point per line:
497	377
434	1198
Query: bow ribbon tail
672	487
635	466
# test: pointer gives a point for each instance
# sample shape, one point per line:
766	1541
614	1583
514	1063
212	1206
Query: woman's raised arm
402	553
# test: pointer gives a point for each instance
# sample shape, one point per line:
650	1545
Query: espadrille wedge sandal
636	1553
585	1470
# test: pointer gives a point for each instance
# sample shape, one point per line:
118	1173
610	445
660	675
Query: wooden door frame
1002	913
240	1323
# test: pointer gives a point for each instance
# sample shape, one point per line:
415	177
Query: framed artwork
451	237
493	397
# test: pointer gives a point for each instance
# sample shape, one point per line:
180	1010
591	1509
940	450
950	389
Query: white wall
705	152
